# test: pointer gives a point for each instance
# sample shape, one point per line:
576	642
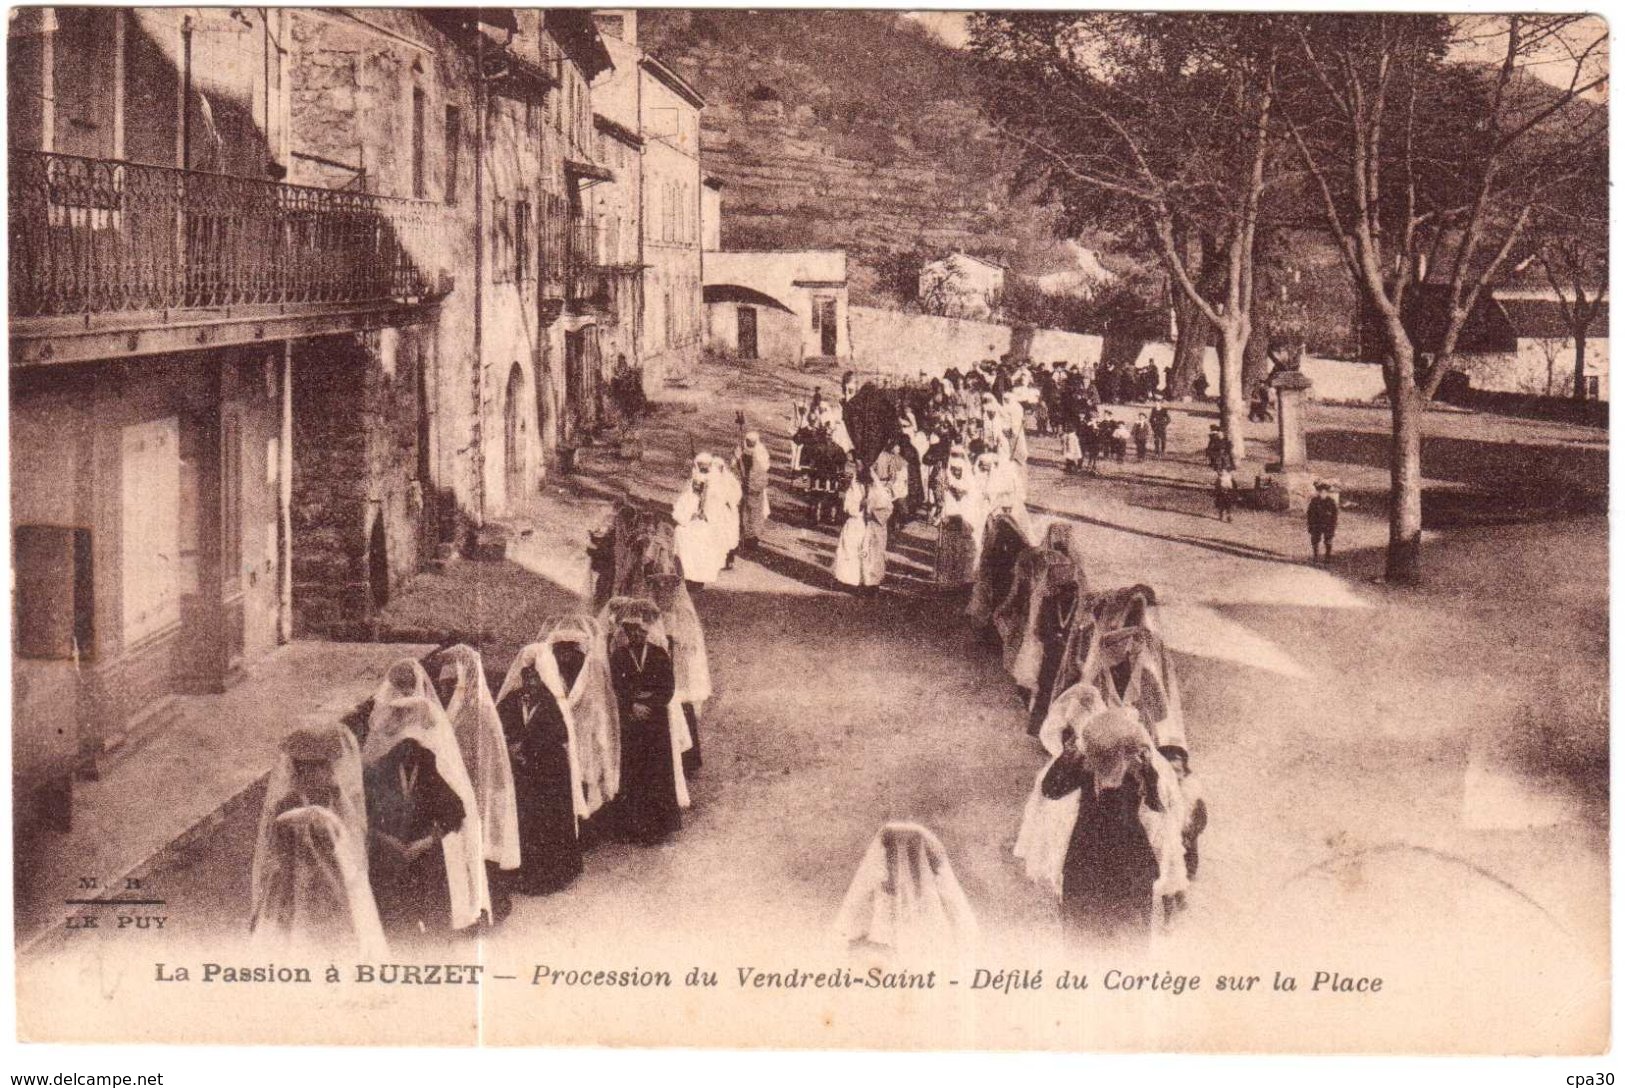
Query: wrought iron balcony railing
98	235
595	263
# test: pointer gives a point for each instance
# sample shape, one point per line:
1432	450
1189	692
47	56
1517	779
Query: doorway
513	436
747	332
827	330
378	563
581	364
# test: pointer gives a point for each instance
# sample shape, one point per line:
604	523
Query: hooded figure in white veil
723	496
685	642
579	682
310	889
905	897
473	713
426	853
547	773
1112	877
1046	823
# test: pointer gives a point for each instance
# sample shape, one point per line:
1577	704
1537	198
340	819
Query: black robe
408	799
1110	869
549	847
1055	618
647	810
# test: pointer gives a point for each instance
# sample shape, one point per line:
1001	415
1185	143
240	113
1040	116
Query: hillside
849	129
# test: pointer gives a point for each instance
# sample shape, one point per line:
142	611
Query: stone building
1517	339
644	96
299	298
787	306
711	214
960	285
485	117
167	284
617	212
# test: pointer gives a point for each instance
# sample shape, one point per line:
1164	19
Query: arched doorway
513	436
378	563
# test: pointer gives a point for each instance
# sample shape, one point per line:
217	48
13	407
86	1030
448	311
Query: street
1368	754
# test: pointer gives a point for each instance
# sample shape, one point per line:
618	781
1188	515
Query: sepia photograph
1010	530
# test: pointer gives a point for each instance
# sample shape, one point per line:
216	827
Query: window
521	241
54	617
418	189
501	258
454	143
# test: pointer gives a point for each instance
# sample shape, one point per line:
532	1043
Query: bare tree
1167	118
1416	132
1573	254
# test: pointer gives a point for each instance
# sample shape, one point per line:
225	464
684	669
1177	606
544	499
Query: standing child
1224	493
1322	519
1071	451
1160	418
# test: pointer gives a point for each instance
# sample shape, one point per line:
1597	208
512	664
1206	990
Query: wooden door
747	332
827	328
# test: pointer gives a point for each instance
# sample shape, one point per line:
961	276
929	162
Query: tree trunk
1404	565
1194	333
1255	363
1232	399
1579	390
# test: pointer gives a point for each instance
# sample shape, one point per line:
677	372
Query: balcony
594	264
102	237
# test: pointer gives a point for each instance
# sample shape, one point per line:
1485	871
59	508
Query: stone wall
898	344
355	469
350	83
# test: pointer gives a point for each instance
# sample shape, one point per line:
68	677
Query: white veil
419	716
473	715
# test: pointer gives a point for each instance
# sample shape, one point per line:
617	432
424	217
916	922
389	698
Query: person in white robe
1002	484
834	417
860	551
691	668
698	540
963	521
723	495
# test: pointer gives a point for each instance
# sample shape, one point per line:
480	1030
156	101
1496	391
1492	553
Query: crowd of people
952	450
1112	824
423	813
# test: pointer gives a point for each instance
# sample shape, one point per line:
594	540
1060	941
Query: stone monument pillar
1288	481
